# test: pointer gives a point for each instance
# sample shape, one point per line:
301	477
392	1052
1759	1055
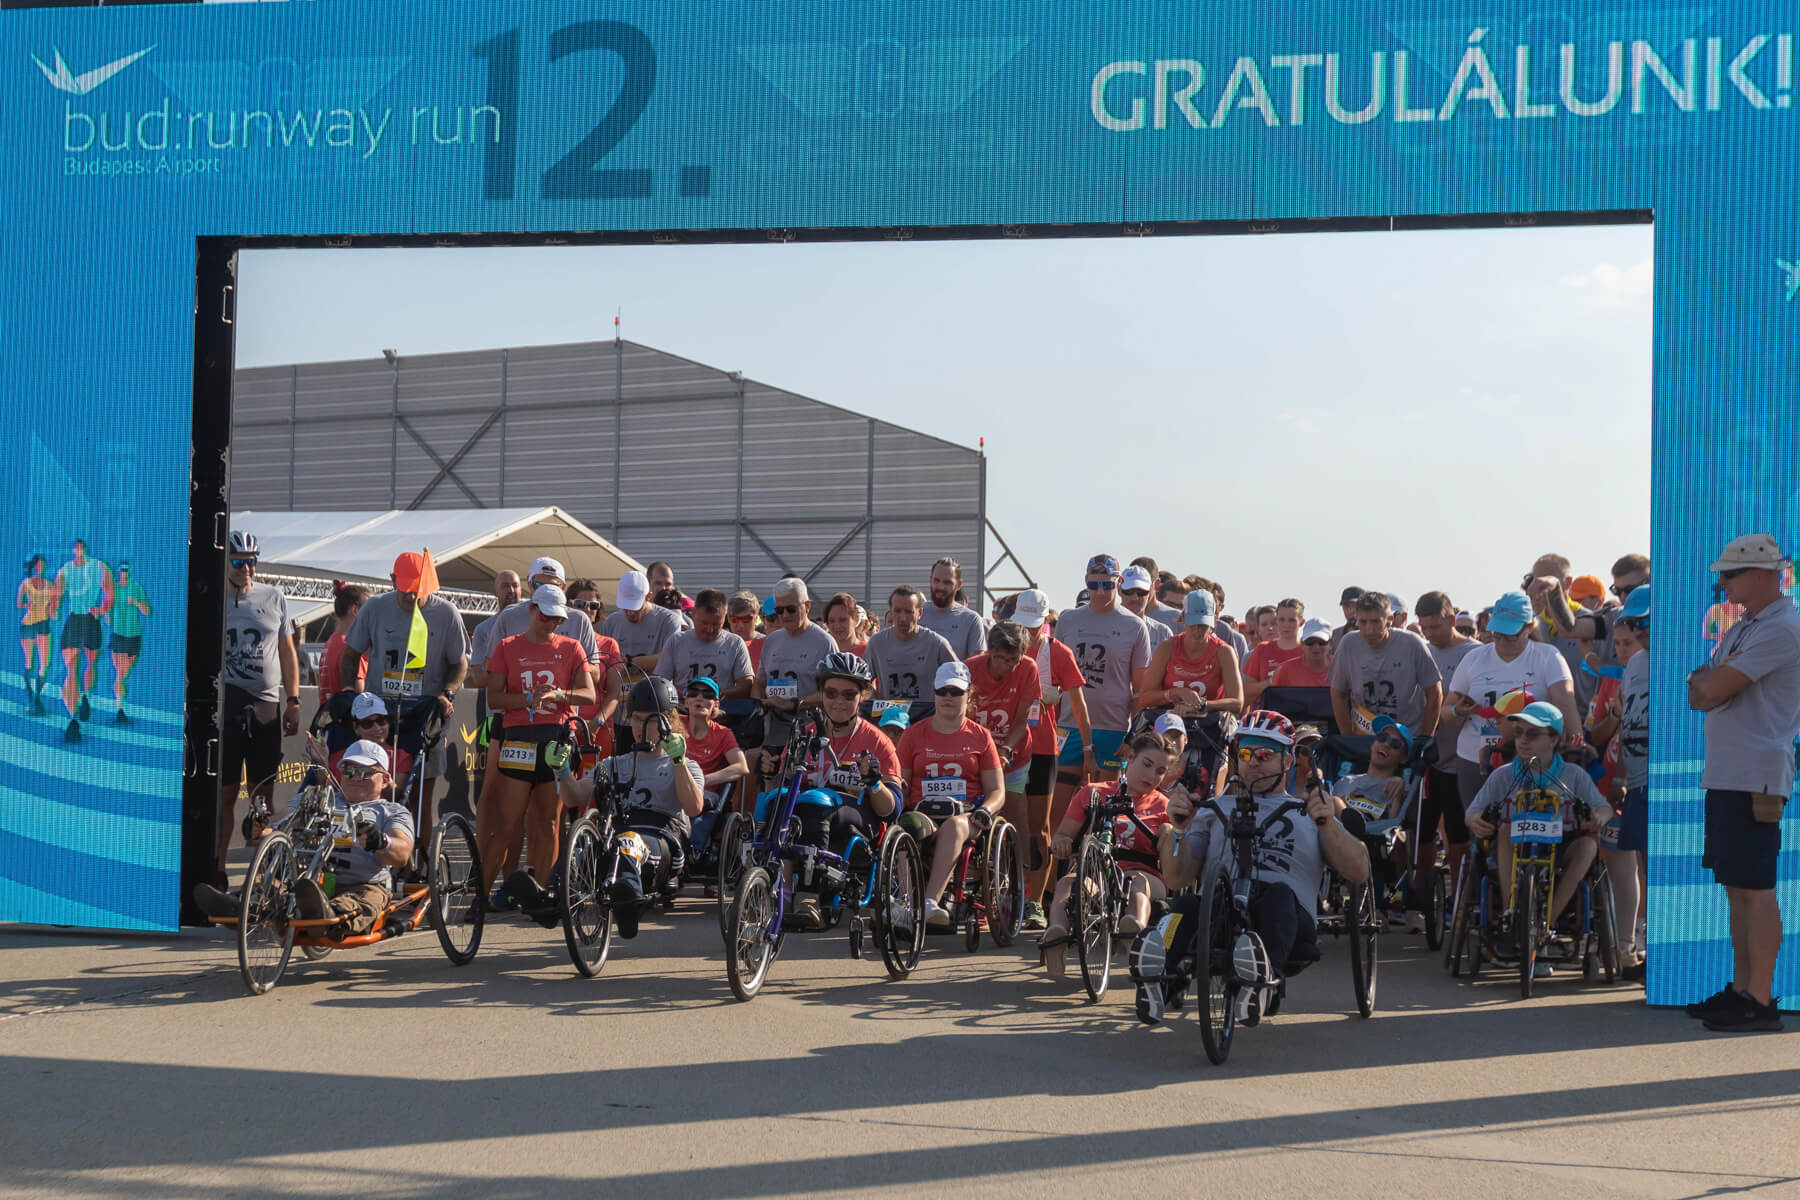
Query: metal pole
869	525
737	524
979	599
394	445
618	425
293	430
505	364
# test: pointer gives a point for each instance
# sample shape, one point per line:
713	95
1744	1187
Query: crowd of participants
1028	711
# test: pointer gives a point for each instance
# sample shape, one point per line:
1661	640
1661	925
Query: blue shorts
1634	821
1106	749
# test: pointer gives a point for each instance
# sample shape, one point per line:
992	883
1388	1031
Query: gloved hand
871	771
373	840
674	745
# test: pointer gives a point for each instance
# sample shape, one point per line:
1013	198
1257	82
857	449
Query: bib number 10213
577	175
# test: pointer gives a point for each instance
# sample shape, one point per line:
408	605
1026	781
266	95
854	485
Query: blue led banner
129	132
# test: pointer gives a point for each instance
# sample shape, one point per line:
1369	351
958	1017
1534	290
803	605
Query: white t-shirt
1484	677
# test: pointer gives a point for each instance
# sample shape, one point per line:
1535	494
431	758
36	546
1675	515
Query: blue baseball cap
895	718
1541	713
1510	614
768	606
1200	608
1637	604
705	681
1386	722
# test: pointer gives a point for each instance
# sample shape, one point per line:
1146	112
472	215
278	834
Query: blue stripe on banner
104	707
1693	970
150	837
107	769
29	906
146	897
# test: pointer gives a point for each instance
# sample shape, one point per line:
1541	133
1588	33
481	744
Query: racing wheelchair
877	893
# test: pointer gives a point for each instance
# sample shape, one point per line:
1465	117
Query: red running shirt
1293	673
947	765
996	701
1152	810
709	752
1203	674
837	767
525	665
1064	673
1267	658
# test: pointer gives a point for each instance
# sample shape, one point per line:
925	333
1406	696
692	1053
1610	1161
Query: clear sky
1286	414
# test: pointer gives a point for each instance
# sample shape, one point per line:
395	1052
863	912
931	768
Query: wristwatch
293	699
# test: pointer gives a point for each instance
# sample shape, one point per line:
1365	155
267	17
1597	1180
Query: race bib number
396	683
518	754
846	779
782	689
950	787
1367	806
633	847
1537	828
877	707
1363	719
1037	709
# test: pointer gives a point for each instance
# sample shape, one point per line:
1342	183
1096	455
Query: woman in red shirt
1196	672
1059	676
347	601
951	772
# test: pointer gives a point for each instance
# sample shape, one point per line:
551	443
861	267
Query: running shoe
120	718
1147	960
1747	1017
309	900
1034	917
73	732
84	710
502	901
1720	1002
935	915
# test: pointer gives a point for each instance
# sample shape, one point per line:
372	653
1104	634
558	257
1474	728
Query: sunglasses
782	610
1256	753
355	771
1635	622
589	605
1391	739
1622	590
1733	573
831	693
1137	591
1102	585
361	722
238	564
949	692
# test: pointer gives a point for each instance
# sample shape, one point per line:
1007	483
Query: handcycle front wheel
1436	900
1462	952
1528	909
1004	891
749	948
265	938
1603	959
1091	897
732	835
899	902
1214	977
1363	918
457	905
586	915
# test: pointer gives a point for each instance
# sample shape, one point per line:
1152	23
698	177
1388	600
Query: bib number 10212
577	175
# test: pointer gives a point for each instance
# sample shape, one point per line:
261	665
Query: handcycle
1097	892
879	894
1523	933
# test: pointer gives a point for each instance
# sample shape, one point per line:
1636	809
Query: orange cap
1587	587
409	571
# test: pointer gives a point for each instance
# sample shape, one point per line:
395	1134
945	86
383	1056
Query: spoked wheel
731	868
1527	916
265	938
1462	919
586	916
1436	898
456	907
1093	917
1364	923
1604	959
1214	978
749	948
899	902
1004	894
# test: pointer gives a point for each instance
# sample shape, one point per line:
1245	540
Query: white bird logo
63	80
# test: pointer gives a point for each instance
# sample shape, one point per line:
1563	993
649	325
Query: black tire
1436	901
899	889
456	904
315	953
1363	920
731	868
1091	897
1215	983
265	939
586	911
1004	894
749	950
972	933
1606	924
1526	919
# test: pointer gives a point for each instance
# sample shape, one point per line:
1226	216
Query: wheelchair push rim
1003	895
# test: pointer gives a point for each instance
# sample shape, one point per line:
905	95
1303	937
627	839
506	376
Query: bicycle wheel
1527	916
899	902
1003	897
1435	903
731	868
457	906
1363	919
1092	895
264	937
750	948
1606	924
1213	973
586	915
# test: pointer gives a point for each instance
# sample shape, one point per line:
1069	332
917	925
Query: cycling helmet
841	664
1262	723
243	544
653	695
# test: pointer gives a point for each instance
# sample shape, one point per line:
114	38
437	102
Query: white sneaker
1250	960
935	916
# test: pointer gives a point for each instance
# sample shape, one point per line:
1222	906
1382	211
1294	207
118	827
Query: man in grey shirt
904	655
787	669
1134	598
1750	693
956	624
1168	588
1384	670
515	618
641	628
708	651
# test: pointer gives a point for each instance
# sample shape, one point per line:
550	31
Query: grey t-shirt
1371	788
786	656
1449	726
1750	737
1108	647
1159	632
647	635
958	625
481	641
1634	721
1174	618
724	660
515	619
1573	652
1391	680
1237	640
649	781
381	631
254	624
1573	782
1289	852
904	670
354	865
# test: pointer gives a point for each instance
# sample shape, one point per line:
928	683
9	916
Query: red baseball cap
409	571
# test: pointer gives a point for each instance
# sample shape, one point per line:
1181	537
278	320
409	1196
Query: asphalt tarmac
138	1067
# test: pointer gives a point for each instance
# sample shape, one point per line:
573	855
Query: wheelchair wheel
1363	920
457	907
264	937
1461	947
749	948
1528	915
1214	979
899	902
1435	903
1004	891
586	915
1092	894
731	867
1603	958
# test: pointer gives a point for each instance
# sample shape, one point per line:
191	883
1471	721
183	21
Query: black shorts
1042	777
81	632
1740	850
248	748
529	753
1442	797
122	644
34	629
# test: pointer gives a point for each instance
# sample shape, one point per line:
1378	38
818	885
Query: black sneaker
83	710
1633	972
215	903
1747	1017
73	732
1723	1000
120	718
310	901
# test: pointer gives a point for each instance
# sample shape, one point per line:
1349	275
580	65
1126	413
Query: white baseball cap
1032	608
634	589
1754	551
952	674
1315	628
1396	604
367	753
366	705
544	566
1170	723
1134	579
549	600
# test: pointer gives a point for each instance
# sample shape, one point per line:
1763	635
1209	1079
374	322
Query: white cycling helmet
243	544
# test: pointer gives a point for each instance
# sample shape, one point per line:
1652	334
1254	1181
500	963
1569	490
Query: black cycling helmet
841	664
653	695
